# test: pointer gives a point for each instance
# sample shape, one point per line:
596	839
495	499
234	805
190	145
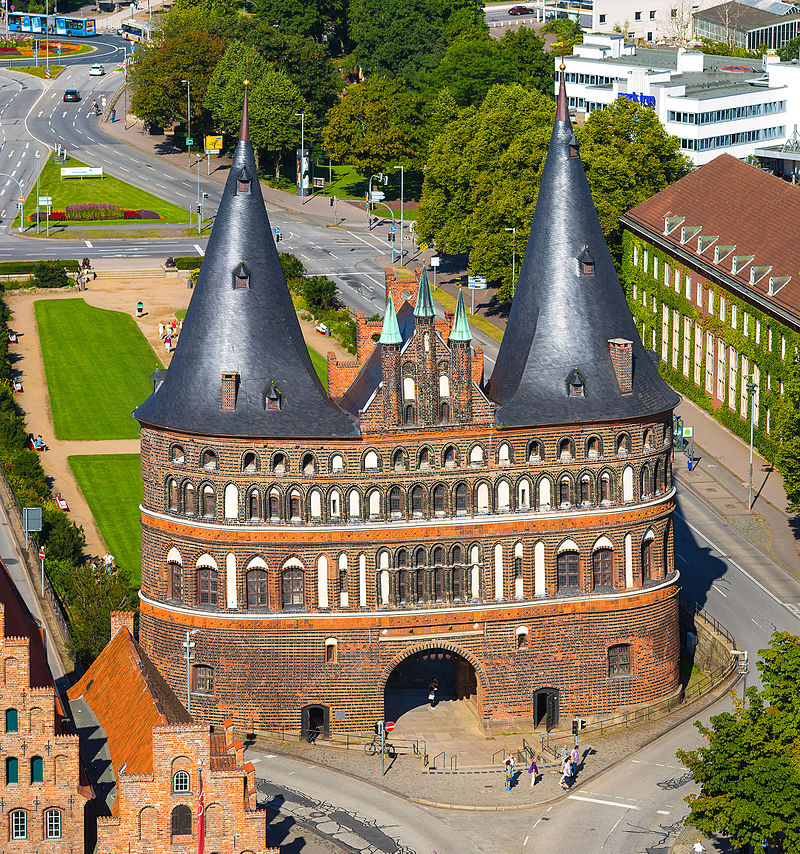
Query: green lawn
106	190
449	302
320	364
97	364
112	486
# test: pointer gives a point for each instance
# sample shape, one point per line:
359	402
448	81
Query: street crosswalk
794	607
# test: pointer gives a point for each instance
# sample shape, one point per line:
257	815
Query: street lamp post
513	259
301	177
752	388
37	192
402	199
188	645
188	118
21	197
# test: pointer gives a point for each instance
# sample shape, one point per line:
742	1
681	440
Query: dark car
72	95
520	10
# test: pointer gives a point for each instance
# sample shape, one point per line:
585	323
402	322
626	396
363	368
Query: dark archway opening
409	684
545	708
314	722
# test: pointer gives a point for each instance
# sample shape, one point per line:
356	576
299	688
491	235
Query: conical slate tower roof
568	305
424	306
241	322
460	330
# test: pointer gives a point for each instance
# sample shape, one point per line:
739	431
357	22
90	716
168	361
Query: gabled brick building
148	755
44	795
315	543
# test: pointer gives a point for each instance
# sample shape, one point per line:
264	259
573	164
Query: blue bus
58	25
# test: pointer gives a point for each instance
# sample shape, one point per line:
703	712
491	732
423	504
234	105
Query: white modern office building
711	103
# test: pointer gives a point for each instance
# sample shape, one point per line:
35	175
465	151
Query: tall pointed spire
568	309
244	127
241	341
424	306
460	330
390	334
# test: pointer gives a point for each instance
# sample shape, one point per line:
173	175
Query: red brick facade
311	569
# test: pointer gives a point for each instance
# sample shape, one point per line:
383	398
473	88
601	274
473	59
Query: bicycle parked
372	748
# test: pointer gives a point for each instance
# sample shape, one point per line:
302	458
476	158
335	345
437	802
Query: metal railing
348	740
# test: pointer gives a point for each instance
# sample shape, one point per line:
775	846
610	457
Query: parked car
97	71
520	10
72	95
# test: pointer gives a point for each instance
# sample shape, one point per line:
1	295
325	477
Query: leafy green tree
747	767
403	38
469	68
292	266
529	64
320	292
273	100
790	50
158	93
316	19
568	32
787	428
50	274
377	124
63	538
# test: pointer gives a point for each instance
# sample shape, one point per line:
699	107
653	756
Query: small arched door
314	722
545	708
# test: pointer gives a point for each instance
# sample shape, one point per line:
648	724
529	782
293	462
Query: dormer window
243	183
273	398
585	263
574	145
575	384
241	277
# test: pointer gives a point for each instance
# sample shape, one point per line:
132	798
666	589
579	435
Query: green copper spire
424	306
390	334
460	331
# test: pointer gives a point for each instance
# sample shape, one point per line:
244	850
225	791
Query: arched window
209	501
231	501
254	505
602	568
188	499
437	556
207	586
408	414
395	501
593	447
444	385
476	456
586	490
274	505
623	445
374	499
438	499
444	413
437	584
544	493
419	558
455	582
658	486
337	462
416	500
567	569
335	503
605	487
279	464
401	586
52	824
449	456
354	504
402	559
647	559
523	494
563	491
419	584
370	461
177	455
408	388
565	450
12	720
648	439
209	460
12	771
181	783
645	486
250	462
315	504
172	495
503	495
308	466
619	660
175	580
19	824
482	498
292	587
424	458
256	588
294	505
37	769
627	484
399	460
504	454
535	451
181	821
461	498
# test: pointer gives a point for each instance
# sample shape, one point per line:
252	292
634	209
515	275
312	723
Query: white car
97	71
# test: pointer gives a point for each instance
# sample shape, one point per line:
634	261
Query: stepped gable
241	325
567	307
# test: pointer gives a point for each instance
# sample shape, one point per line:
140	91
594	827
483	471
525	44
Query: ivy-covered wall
769	362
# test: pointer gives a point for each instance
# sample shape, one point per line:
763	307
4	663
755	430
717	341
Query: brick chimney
622	359
230	381
120	619
228	726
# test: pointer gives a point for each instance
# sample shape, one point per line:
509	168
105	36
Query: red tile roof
221	759
128	697
748	208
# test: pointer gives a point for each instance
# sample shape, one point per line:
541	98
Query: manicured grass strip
180	314
105	190
444	298
188	262
39	71
11	268
112	486
320	364
97	364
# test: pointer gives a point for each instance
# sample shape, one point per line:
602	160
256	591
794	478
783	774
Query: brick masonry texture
312	568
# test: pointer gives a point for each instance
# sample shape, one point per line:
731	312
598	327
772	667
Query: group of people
85	274
168	332
569	766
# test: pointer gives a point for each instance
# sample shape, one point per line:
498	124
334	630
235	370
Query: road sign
47	73
189	140
476	282
213	144
389	726
377	196
277	229
393	229
435	260
45	200
318	183
59	51
406	237
688	432
21	200
31	519
41	554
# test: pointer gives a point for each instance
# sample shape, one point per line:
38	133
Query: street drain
317	815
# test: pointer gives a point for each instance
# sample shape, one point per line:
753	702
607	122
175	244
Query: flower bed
24	47
94	213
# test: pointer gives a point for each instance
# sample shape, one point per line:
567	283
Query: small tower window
575	384
585	263
273	398
241	277
574	145
244	182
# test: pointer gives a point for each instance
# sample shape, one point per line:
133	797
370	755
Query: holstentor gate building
315	541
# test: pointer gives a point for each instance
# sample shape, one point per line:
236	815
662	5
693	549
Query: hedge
12	268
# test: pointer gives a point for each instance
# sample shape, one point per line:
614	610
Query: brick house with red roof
149	755
712	274
44	793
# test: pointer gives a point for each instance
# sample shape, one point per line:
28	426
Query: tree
316	19
50	274
569	33
747	767
787	428
320	292
469	68
273	100
377	124
790	50
529	64
64	539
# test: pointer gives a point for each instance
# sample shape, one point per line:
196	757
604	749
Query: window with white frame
722	308
635	292
768	425
743	389
769	338
688	287
757	334
698	352
181	783
783	346
746	324
709	363
699	295
655	304
653	338
710	301
667	271
664	330
52	824
645	258
677	280
687	345
19	824
721	372
733	366
676	337
635	254
655	267
734	315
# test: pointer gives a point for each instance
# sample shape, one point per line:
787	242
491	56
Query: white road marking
27	146
88	243
525	842
795	609
758	624
663	812
600	801
721	592
64	114
201	253
40	114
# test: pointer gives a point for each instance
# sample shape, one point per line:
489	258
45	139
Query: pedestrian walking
699	847
160	331
167	345
113	114
566	769
180	325
509	772
174	328
533	770
432	691
139	308
575	759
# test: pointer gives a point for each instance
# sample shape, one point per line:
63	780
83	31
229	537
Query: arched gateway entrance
408	683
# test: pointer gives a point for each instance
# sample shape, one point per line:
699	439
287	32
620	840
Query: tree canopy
787	424
483	174
749	765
